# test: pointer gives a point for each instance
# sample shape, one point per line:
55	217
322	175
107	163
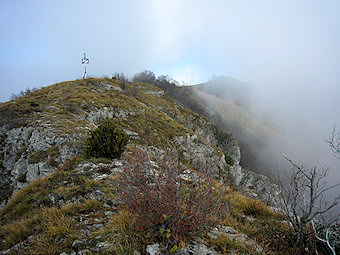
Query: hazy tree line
22	93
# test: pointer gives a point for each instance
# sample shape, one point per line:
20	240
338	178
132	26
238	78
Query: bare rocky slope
51	196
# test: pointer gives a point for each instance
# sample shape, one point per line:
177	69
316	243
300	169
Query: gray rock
108	86
20	167
187	175
201	154
153	249
101	177
197	249
131	133
20	246
84	252
78	243
232	234
19	143
251	219
108	213
159	93
5	252
97	226
94	117
104	246
256	185
41	140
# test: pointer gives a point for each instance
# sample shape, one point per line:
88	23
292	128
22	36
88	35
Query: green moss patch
51	153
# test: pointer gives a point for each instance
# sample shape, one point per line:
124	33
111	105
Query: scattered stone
247	218
153	249
232	234
159	93
77	244
188	176
104	246
97	226
197	249
101	177
19	247
108	213
84	252
131	133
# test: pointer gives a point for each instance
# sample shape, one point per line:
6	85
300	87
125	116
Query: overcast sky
270	43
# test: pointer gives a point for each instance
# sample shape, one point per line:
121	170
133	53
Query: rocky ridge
54	134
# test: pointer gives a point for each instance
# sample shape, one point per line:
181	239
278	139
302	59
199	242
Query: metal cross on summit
85	61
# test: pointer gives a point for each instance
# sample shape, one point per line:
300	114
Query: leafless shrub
22	93
122	78
168	204
145	76
303	200
326	240
66	95
334	142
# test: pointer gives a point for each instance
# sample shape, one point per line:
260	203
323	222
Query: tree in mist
334	142
122	78
22	93
303	200
145	76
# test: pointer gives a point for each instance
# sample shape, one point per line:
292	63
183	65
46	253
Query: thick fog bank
273	120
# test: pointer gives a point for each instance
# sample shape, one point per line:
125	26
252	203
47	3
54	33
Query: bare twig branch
324	240
334	142
303	200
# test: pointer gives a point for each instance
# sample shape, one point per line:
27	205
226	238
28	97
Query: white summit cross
85	61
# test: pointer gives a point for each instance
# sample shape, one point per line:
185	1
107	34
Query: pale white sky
284	42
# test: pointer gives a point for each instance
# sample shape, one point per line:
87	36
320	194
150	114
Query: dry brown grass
44	245
17	232
125	238
249	206
55	222
225	245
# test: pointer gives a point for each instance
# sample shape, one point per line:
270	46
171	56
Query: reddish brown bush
165	203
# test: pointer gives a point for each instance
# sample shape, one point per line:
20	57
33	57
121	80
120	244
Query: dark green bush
106	141
36	157
22	177
229	159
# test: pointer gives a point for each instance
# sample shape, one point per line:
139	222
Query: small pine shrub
36	157
22	177
51	153
106	141
229	160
